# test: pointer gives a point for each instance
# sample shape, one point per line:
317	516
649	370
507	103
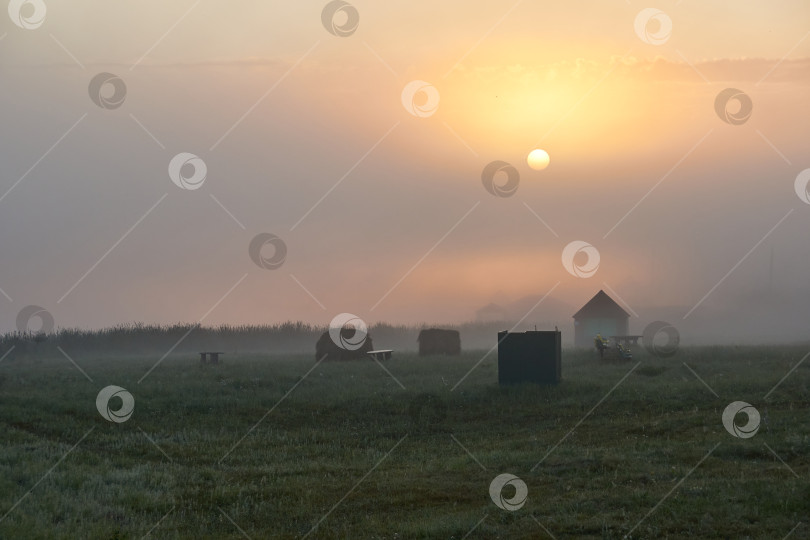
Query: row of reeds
288	337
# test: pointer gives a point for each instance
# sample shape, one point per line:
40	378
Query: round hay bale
327	349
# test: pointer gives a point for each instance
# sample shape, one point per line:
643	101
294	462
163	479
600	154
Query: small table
626	340
382	354
213	356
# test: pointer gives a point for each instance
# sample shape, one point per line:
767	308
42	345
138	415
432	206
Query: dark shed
533	356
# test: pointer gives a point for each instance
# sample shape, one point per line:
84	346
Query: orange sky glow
384	213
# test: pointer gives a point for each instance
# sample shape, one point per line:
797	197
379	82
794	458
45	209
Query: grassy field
262	447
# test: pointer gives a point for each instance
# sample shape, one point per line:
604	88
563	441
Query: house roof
601	305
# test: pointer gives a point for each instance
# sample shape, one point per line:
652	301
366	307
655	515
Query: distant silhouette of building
492	313
601	315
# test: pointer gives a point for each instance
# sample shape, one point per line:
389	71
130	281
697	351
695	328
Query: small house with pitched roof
601	315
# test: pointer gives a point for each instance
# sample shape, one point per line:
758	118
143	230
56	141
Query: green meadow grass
323	456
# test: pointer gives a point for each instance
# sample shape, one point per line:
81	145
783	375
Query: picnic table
213	356
382	354
626	340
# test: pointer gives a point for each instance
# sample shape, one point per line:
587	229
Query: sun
538	159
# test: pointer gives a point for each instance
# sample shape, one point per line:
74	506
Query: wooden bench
382	354
212	356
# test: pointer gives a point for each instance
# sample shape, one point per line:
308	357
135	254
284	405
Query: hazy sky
384	214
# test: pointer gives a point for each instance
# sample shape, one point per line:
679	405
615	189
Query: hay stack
325	347
438	341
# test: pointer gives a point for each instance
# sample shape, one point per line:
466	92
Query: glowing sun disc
538	159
